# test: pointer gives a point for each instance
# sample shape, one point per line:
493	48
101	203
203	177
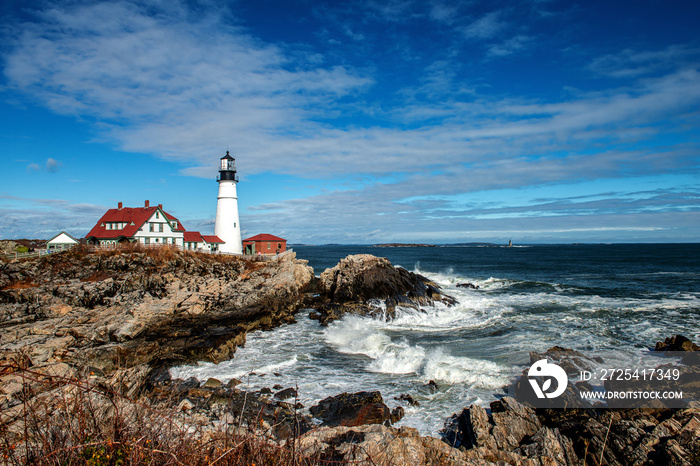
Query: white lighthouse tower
228	226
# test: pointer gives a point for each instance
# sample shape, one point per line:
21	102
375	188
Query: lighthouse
228	226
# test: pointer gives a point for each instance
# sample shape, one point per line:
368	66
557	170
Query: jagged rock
396	415
118	316
380	445
549	443
233	383
212	383
468	285
407	398
181	307
676	343
286	393
512	433
352	409
369	285
185	405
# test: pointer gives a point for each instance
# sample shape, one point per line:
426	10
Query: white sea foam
464	348
369	337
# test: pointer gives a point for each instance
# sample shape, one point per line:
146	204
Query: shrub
87	425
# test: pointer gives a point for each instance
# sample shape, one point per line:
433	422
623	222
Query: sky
356	122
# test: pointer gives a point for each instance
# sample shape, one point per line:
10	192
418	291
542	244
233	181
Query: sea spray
529	299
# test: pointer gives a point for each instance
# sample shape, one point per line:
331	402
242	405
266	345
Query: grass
75	422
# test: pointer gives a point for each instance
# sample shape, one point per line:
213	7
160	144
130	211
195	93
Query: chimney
160	206
120	205
148	203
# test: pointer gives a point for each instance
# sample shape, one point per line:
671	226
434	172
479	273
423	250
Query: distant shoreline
403	245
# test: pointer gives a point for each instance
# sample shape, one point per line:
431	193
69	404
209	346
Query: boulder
369	285
407	398
286	393
511	432
352	409
470	286
380	445
676	343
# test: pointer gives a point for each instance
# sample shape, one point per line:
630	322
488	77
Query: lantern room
227	170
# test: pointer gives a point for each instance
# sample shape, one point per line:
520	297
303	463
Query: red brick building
264	244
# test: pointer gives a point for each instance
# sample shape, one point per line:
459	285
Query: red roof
192	237
264	237
211	239
134	217
171	218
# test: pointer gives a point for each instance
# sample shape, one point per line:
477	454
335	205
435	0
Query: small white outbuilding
61	242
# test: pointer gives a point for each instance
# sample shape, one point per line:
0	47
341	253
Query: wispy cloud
485	27
182	83
628	213
51	165
46	217
509	46
630	63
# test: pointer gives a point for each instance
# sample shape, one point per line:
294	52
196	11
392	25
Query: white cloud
43	218
486	27
509	46
52	165
630	63
166	80
183	86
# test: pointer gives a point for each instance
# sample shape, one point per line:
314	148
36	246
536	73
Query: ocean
614	301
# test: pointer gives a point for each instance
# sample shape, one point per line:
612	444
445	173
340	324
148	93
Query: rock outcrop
355	409
517	434
88	337
511	433
220	405
138	307
379	445
116	317
368	285
676	343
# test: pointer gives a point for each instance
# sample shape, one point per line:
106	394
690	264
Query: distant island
420	245
403	245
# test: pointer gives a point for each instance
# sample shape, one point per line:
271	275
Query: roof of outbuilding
212	239
264	237
192	237
63	233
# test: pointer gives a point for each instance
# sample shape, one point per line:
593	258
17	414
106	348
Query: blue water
609	300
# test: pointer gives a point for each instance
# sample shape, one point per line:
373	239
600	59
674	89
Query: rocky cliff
121	315
368	285
85	338
142	306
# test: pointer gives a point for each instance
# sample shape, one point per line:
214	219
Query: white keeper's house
152	226
147	225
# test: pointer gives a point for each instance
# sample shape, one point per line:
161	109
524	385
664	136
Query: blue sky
356	122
